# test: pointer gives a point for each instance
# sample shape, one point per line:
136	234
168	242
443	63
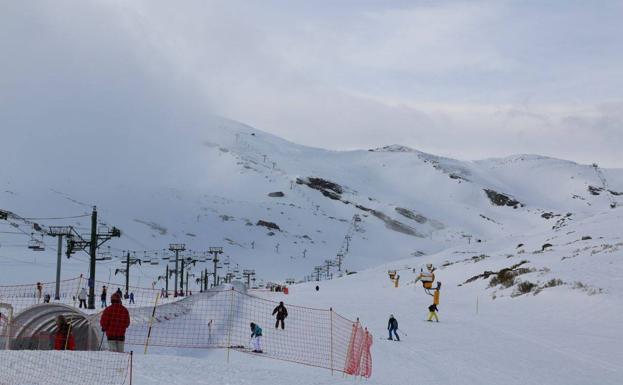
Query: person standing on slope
282	314
115	320
63	340
256	338
433	313
392	326
103	296
82	297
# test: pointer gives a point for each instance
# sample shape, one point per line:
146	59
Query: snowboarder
82	297
392	326
433	313
132	298
103	296
115	320
63	339
282	314
256	338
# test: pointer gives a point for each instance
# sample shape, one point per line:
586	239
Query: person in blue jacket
392	326
256	338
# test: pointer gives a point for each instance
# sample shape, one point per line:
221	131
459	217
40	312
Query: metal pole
92	253
127	273
177	253
166	280
57	295
182	279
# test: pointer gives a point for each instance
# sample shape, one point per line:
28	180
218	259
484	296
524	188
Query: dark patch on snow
545	246
500	199
276	194
595	190
617	193
395	225
411	215
268	225
586	237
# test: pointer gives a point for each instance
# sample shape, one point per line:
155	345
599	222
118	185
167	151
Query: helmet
429	266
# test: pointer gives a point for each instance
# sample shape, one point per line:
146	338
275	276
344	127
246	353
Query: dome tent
34	328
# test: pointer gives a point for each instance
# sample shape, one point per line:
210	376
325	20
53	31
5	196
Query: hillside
275	206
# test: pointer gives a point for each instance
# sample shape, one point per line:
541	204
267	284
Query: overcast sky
462	79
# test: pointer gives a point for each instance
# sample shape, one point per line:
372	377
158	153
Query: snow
209	186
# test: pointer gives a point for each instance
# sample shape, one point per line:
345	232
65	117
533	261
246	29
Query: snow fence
220	319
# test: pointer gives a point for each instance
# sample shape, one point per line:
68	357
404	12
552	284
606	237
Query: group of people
104	296
114	322
281	313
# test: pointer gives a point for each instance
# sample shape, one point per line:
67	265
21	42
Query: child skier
392	326
433	309
256	338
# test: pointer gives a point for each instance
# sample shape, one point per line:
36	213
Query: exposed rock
276	194
267	224
500	199
595	190
586	237
545	246
617	193
547	215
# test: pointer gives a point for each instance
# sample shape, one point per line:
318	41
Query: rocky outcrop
276	194
268	225
500	199
327	188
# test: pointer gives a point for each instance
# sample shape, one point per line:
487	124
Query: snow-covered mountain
275	206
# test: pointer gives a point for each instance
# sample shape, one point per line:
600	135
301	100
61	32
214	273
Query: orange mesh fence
220	318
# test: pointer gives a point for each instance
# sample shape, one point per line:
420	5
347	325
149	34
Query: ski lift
35	244
105	255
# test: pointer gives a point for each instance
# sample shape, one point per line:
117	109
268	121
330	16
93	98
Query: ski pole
406	335
101	340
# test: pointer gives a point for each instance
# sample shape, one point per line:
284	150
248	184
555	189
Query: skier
63	340
256	338
103	296
46	298
433	309
132	298
282	314
392	326
82	297
115	320
119	292
317	287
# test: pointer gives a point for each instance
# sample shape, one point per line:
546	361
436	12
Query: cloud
467	80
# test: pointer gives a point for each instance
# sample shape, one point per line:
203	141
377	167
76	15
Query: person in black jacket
282	314
392	326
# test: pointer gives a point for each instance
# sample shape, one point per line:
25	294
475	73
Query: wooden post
151	322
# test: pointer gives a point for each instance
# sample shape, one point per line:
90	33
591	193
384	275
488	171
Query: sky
468	80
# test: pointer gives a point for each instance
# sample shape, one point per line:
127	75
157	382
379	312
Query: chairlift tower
176	248
96	240
215	251
59	232
248	274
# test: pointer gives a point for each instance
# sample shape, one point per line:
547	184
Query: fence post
131	363
331	315
151	322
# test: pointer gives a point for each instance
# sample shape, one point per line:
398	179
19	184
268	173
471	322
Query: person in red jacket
115	320
63	340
